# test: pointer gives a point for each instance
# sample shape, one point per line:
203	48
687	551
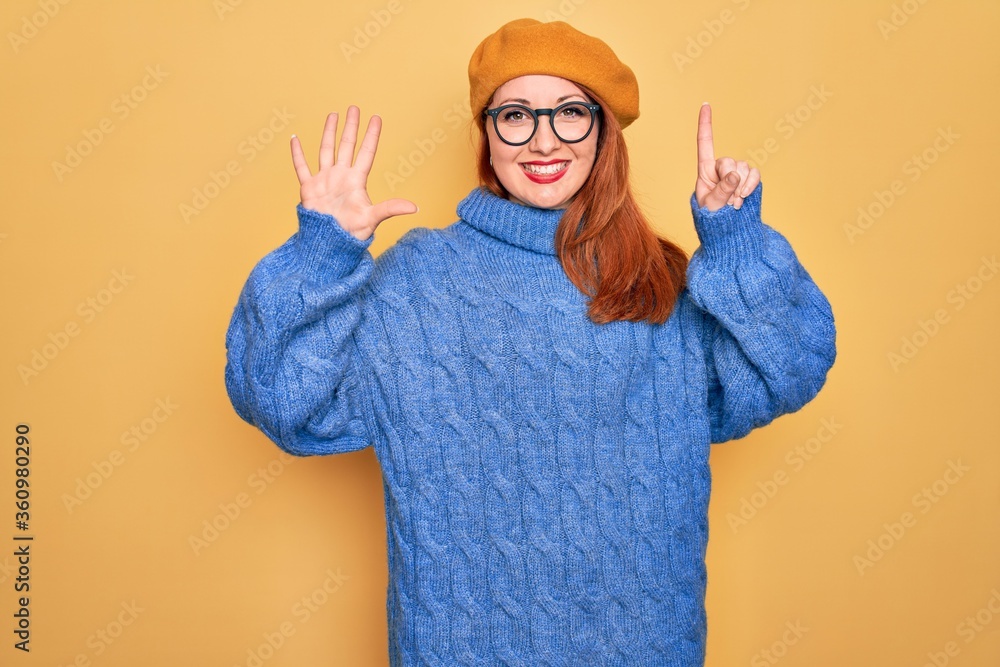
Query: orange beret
527	46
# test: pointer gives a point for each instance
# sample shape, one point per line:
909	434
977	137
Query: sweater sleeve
768	334
291	365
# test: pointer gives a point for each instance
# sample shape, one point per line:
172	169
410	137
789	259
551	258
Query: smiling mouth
545	169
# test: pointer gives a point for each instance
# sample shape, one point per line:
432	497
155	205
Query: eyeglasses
516	124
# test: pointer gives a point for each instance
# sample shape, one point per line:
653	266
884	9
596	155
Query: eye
574	112
513	116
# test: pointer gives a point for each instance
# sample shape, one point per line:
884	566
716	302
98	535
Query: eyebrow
521	100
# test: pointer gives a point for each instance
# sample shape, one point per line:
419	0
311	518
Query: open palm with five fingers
340	187
723	181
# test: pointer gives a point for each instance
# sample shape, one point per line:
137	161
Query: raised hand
340	187
723	181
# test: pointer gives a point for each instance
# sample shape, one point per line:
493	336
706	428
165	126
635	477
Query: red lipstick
545	177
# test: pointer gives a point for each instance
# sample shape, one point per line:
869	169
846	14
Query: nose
545	140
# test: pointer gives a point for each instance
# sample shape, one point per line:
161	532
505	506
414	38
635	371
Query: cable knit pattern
546	479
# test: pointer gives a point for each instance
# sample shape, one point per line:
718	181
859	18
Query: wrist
318	209
326	244
728	234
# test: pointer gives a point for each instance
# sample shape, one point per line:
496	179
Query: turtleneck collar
522	226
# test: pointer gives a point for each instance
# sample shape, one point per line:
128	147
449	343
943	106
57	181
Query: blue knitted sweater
546	479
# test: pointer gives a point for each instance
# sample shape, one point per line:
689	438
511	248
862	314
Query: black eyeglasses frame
595	109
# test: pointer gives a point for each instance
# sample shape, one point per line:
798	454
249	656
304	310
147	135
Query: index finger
706	147
366	154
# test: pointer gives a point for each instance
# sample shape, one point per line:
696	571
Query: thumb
721	193
730	181
392	207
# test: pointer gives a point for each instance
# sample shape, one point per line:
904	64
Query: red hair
617	259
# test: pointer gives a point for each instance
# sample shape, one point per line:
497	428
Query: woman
542	379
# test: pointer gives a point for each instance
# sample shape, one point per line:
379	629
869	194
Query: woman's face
545	172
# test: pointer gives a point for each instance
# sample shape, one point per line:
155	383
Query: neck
511	221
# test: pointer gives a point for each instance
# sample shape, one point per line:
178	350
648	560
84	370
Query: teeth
545	169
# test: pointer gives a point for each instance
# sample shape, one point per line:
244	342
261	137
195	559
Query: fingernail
293	136
704	103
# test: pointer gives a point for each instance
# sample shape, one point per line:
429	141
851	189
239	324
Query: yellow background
229	72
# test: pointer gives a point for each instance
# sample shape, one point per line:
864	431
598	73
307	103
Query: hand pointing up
723	181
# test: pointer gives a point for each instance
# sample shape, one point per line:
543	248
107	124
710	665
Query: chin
549	200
